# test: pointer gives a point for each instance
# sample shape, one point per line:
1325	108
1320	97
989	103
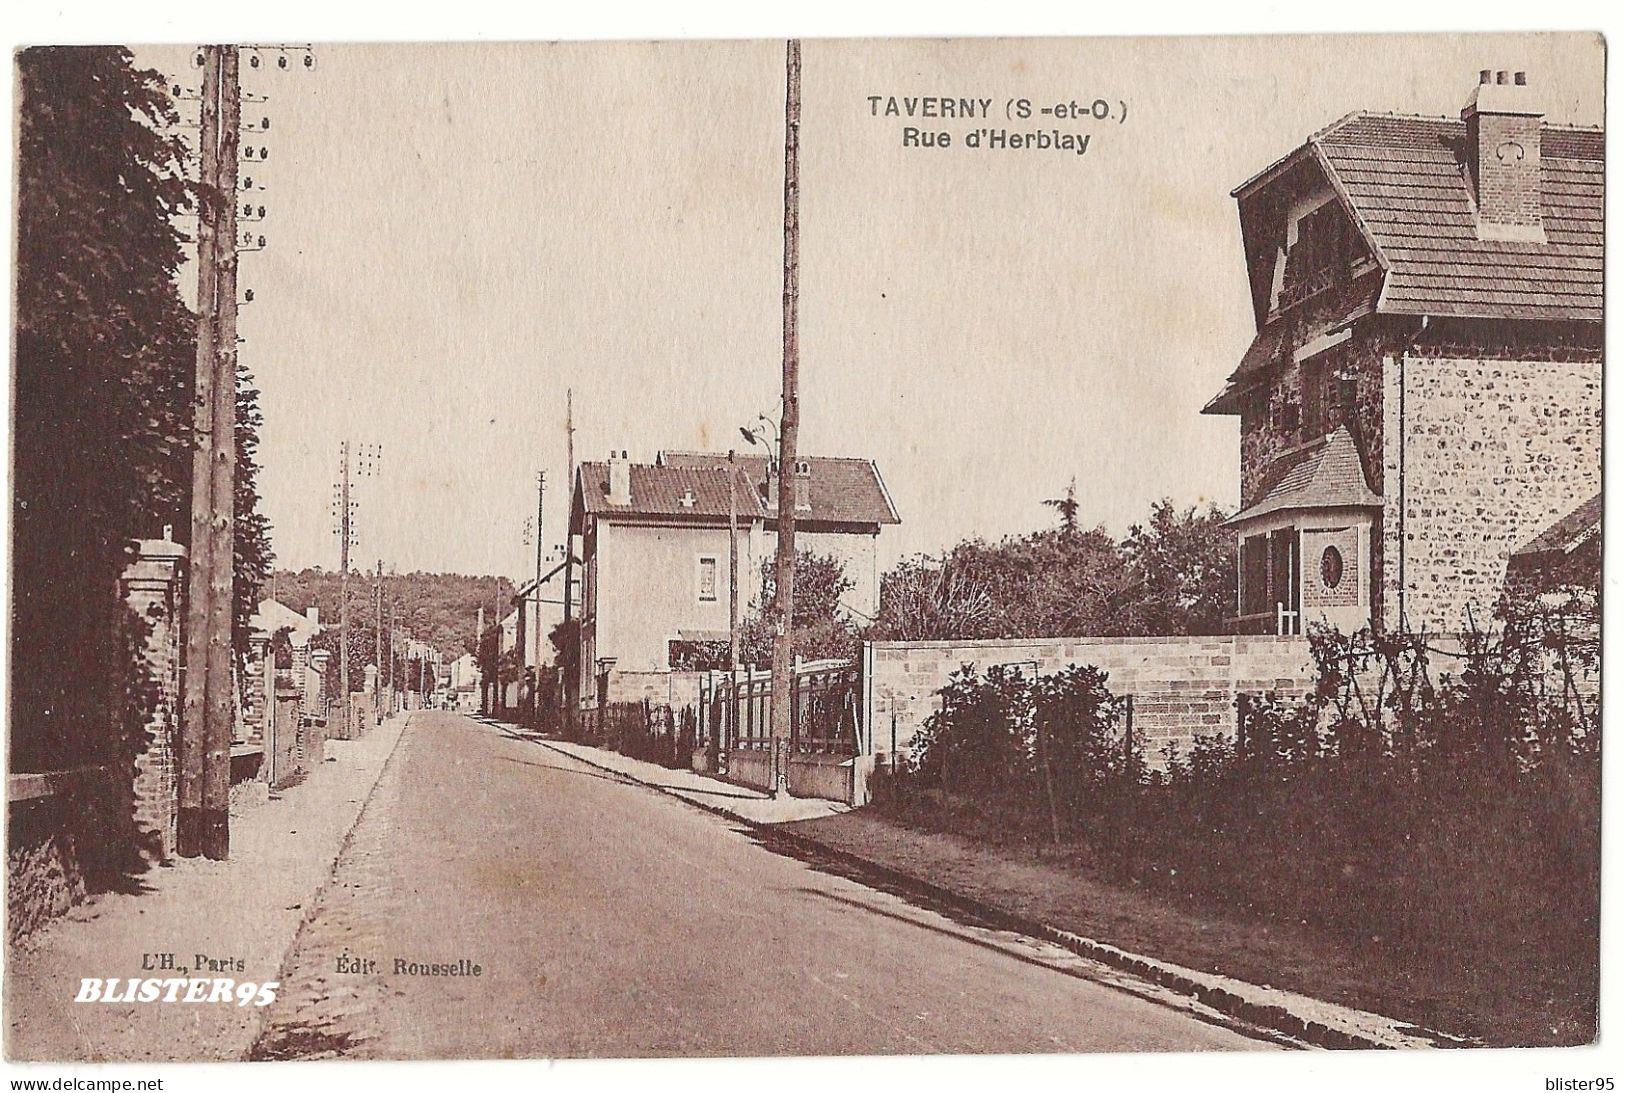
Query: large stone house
1423	394
655	555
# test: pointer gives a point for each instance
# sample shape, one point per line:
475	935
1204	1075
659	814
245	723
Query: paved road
610	920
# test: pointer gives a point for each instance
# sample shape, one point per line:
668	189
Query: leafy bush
1453	817
1031	751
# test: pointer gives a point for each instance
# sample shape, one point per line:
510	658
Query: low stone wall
67	834
1181	685
828	777
843	778
43	873
750	768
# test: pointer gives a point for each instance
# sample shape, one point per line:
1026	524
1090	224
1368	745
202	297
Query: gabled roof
1326	474
842	490
1404	182
529	587
1566	535
273	615
687	492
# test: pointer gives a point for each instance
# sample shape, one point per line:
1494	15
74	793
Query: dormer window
1316	254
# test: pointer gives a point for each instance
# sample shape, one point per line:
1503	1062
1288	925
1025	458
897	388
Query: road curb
1274	1018
314	899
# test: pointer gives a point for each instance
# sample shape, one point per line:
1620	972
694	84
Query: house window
1331	567
1288	416
1284	579
1320	381
708	580
1312	377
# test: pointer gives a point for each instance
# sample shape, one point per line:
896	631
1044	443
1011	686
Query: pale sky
459	233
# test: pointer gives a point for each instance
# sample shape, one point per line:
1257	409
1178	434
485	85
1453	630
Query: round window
1331	567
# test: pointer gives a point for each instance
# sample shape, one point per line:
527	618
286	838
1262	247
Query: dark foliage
820	628
439	609
644	730
104	351
566	639
1175	574
251	548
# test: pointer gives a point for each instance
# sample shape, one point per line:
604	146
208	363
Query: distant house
273	615
1423	394
270	618
463	683
655	554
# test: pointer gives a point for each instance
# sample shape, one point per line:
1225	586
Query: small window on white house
708	580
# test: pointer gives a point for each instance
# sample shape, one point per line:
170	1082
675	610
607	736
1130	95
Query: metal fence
735	710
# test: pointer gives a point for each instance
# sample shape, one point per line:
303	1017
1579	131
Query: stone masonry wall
1181	685
1263	438
1492	452
62	826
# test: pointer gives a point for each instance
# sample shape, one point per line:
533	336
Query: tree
566	639
927	599
251	543
819	628
1067	506
362	649
1175	574
436	608
104	350
1182	568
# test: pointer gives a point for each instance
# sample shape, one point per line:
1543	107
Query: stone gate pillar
257	684
152	588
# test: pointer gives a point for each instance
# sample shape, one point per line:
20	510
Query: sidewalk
747	804
1020	897
246	909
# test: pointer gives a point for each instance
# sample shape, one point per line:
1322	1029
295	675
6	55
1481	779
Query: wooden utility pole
784	594
378	639
572	680
208	705
536	589
222	692
200	589
733	563
479	658
344	577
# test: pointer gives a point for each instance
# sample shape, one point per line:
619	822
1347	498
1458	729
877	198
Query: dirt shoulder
1493	999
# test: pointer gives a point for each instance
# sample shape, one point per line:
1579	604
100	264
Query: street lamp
757	434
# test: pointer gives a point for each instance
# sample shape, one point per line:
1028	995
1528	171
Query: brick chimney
620	478
313	615
803	486
1503	157
772	485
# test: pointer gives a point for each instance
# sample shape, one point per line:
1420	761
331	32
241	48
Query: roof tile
1403	176
1567	533
695	485
1327	474
842	489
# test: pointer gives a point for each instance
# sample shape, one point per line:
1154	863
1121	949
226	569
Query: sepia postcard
826	547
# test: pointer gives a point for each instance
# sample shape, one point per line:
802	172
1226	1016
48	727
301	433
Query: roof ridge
1570	126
